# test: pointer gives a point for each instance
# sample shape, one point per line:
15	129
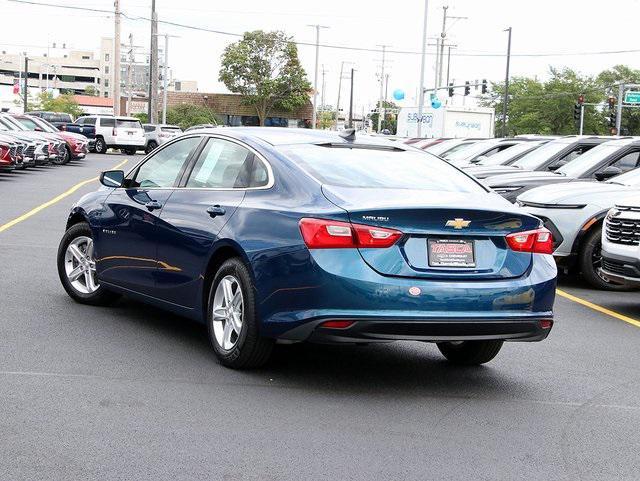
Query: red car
77	146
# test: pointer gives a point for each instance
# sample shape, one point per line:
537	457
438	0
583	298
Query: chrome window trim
270	182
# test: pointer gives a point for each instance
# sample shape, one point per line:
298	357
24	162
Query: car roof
290	136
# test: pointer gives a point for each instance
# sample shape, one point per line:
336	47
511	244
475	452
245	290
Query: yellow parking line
58	198
596	307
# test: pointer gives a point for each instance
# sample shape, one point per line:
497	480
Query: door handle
153	205
216	210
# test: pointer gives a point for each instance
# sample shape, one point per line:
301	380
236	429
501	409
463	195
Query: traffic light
484	86
612	119
576	112
467	88
451	89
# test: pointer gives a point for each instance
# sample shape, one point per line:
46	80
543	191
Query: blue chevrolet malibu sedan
286	235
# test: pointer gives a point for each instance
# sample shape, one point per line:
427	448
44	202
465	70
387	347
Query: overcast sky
543	26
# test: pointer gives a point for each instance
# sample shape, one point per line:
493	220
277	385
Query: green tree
390	120
326	119
547	107
62	103
264	68
142	117
609	79
91	90
187	115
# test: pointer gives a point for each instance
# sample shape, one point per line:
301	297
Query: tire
470	353
58	161
101	146
80	290
130	151
590	260
67	155
151	146
245	349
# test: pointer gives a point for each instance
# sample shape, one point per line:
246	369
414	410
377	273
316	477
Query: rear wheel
470	353
591	261
77	267
101	146
232	318
130	151
151	146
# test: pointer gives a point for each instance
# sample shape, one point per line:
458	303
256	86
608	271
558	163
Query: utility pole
621	88
581	129
315	76
351	101
322	90
26	84
152	112
506	86
422	65
340	91
381	104
130	75
116	60
443	35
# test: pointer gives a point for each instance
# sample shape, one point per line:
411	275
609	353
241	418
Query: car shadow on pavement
394	368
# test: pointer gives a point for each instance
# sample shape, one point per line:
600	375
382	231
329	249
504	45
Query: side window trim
134	171
256	155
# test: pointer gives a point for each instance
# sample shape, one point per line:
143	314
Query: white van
124	133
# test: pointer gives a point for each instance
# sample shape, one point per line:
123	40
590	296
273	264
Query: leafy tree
547	107
62	103
142	117
91	90
390	120
326	119
264	68
186	115
609	79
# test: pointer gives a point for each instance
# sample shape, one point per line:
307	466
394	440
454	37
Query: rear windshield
128	124
173	130
379	169
62	118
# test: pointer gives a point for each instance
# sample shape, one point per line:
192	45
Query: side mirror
112	178
38	129
608	172
554	167
479	160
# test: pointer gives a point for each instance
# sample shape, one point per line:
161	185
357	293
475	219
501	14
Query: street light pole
351	102
26	84
314	116
506	86
422	65
381	104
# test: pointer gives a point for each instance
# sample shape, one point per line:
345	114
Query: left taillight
331	234
539	241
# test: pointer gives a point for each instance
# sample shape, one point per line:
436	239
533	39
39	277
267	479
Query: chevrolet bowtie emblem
458	223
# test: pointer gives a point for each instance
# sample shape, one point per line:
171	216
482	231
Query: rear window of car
149	128
128	124
173	130
377	168
107	122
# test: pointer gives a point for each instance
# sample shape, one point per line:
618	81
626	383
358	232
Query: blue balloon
398	94
435	103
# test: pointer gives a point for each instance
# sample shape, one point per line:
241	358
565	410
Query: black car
548	157
599	163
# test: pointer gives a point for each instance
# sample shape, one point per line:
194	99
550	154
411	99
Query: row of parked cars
28	141
127	134
571	183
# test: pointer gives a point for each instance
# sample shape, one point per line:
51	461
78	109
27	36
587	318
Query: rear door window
107	122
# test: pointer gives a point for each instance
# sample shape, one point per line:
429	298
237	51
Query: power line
332	46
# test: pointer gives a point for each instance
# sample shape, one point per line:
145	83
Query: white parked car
621	243
124	133
157	135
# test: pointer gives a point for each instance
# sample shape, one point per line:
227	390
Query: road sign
632	97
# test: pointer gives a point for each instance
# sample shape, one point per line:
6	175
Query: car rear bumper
428	330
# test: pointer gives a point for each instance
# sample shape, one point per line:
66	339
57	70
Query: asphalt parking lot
131	392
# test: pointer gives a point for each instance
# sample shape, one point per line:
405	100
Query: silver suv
157	135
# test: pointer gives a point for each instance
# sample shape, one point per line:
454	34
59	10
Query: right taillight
333	234
539	241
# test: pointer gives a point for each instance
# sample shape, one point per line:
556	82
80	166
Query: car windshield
45	125
589	159
28	123
448	146
128	124
631	178
379	168
470	152
501	158
9	122
538	157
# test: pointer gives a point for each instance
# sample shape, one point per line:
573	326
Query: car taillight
539	241
332	234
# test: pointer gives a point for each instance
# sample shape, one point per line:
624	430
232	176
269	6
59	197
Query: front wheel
470	353
130	151
151	146
77	267
232	318
67	155
591	261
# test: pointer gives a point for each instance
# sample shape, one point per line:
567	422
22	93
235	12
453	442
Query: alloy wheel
80	266
228	312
